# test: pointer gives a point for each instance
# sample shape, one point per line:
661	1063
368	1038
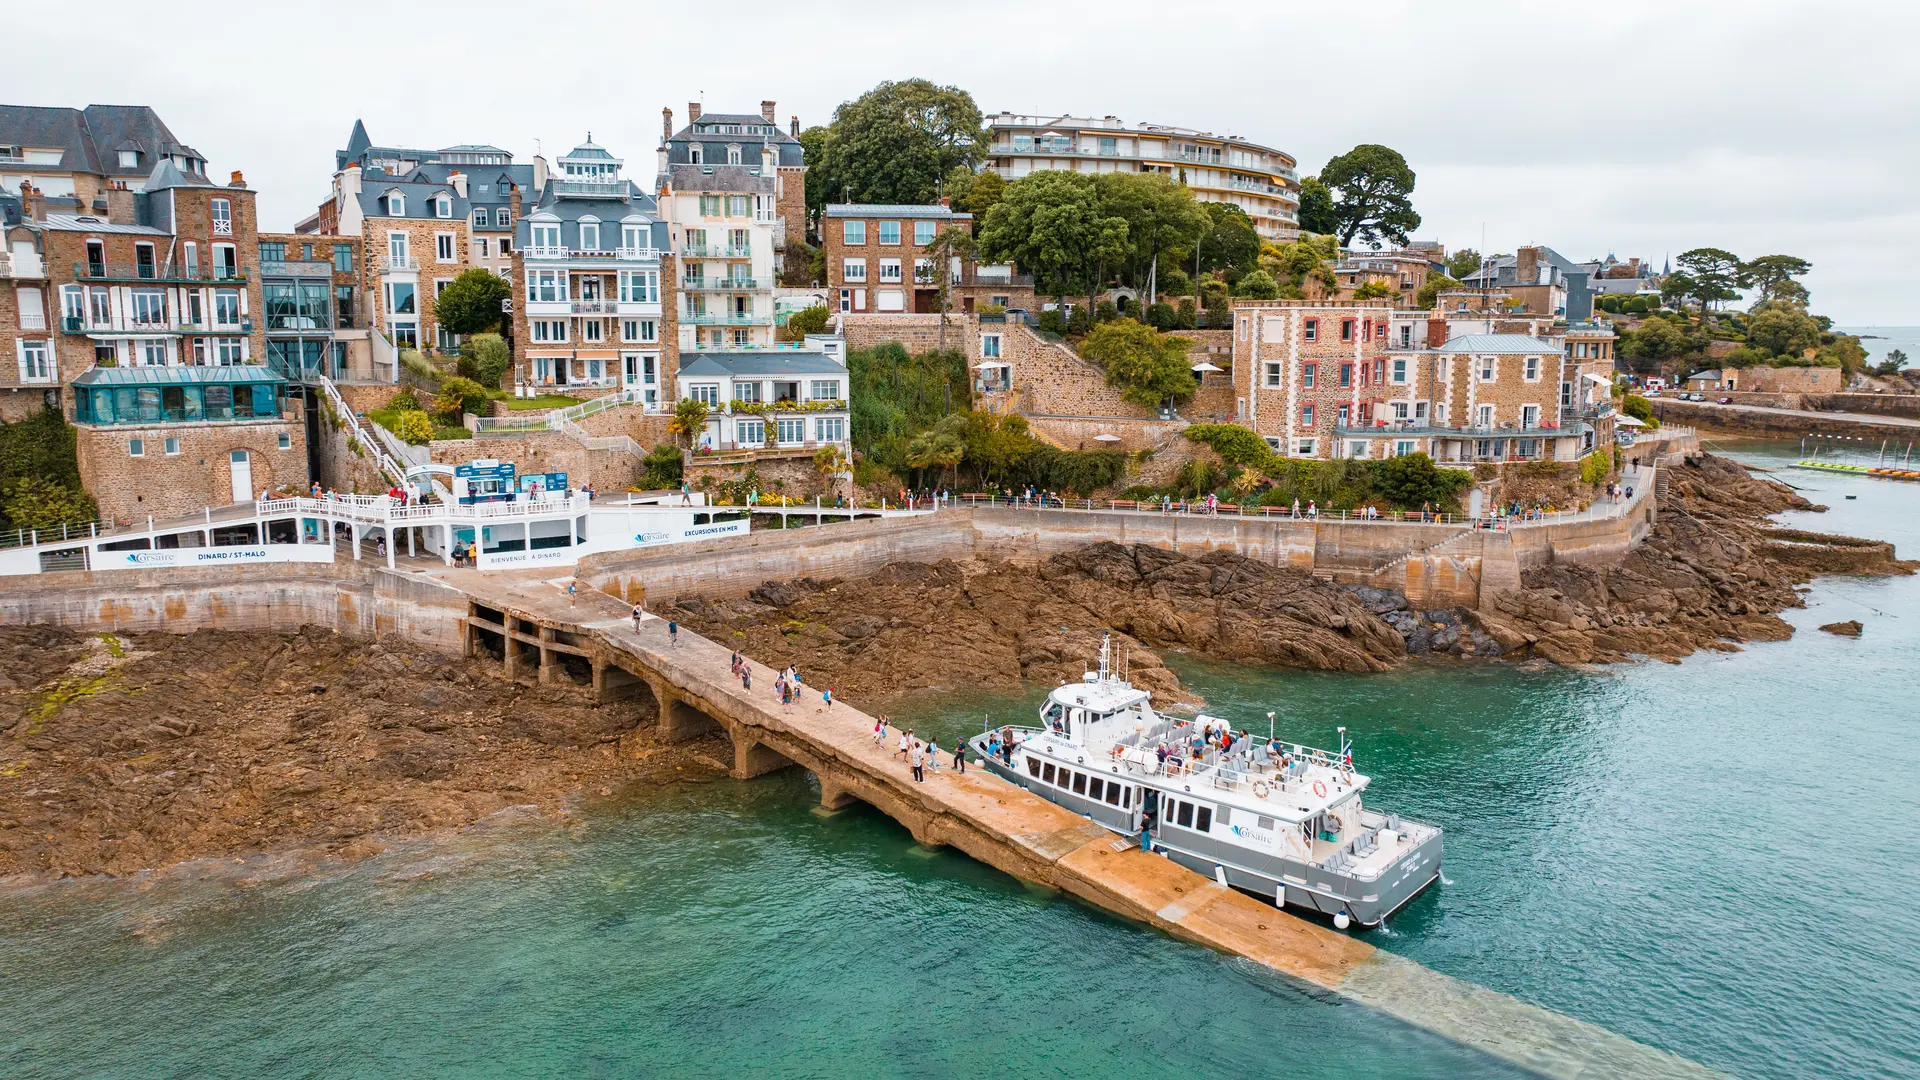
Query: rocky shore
124	754
1712	574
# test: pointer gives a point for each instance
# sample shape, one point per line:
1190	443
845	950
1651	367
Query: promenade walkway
1018	832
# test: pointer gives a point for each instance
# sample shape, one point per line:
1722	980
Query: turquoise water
1715	857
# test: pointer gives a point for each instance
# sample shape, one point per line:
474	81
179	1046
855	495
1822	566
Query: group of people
938	497
919	756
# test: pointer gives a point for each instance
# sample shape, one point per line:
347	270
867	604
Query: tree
1782	329
1372	188
987	189
1462	262
813	150
832	463
459	395
413	427
1773	276
689	419
954	244
1053	225
1309	262
1257	285
1145	365
897	142
484	359
1162	217
1894	361
35	502
1656	341
1316	207
941	446
471	302
1640	409
1412	480
1676	288
1429	293
1371	290
808	320
1715	273
1231	242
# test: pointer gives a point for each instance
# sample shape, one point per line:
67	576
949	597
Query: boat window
1183	816
1033	765
1051	713
1226	816
1094	787
1266	822
1204	821
1048	774
1079	783
1114	791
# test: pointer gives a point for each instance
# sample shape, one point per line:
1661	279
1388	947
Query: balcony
625	254
1419	428
138	327
595	307
1001	275
719	285
591	189
300	268
296	323
546	251
167	272
727	319
717	251
396	264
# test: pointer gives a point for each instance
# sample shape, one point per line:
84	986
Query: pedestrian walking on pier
828	698
746	676
572	598
673	632
933	754
636	618
906	742
880	731
960	756
916	761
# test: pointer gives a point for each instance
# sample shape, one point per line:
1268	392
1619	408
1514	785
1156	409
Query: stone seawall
370	603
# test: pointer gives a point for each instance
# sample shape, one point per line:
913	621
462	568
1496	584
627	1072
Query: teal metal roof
178	376
1497	343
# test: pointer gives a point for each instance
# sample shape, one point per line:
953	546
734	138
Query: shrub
1185	319
485	360
1638	305
1145	365
413	361
1595	466
1106	312
471	303
1161	316
1411	480
1080	321
812	320
1052	322
33	502
457	396
404	401
1258	285
1639	408
1175	282
1235	444
664	467
413	427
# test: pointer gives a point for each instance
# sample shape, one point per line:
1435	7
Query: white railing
381	458
545	251
389	263
558	419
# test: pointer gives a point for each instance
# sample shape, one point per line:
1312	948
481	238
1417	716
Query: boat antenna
1106	652
1346	744
1269	726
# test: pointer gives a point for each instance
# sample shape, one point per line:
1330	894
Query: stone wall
546	451
1052	380
196	473
789	474
915	333
336	466
1135	434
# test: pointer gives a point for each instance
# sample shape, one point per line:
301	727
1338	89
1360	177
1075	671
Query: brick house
1350	379
1537	277
1404	273
878	260
587	270
423	218
29	368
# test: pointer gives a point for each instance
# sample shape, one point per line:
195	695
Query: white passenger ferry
1279	820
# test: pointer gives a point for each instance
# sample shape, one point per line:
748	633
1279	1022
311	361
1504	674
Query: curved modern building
1219	168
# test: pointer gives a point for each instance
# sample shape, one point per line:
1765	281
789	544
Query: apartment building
587	267
777	402
151	330
1537	277
1359	379
1259	179
1404	273
29	370
755	142
310	290
423	218
878	260
82	154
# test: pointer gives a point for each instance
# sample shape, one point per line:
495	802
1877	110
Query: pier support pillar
752	758
549	667
515	655
679	721
612	683
833	796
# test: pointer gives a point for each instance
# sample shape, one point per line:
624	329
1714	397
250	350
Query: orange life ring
1320	789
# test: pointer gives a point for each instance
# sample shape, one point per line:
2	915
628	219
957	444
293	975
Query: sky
1632	127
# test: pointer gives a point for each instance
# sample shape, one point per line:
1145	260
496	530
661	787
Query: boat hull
1284	881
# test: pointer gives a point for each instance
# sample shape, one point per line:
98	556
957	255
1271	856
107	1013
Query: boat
1281	821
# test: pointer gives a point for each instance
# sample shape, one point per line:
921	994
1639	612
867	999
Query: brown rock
1850	628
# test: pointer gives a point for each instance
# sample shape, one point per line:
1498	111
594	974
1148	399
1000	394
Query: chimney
350	181
120	205
1436	332
796	127
539	175
946	203
1526	266
766	112
666	124
513	204
32	202
459	182
693	111
237	180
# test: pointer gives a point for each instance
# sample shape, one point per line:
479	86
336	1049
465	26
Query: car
1655	392
1724	401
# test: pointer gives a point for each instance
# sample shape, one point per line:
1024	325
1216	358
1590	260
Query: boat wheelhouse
1280	820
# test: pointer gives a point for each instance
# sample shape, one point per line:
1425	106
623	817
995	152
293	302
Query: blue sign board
543	483
483	481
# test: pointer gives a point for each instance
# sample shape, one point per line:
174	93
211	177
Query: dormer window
396	205
590	236
480	219
129	159
733	154
442	207
693	153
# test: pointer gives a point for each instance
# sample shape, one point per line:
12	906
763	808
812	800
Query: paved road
1805	414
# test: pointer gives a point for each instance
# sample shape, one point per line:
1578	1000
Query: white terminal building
1259	179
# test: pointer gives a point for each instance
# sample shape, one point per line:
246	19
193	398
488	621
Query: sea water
1715	857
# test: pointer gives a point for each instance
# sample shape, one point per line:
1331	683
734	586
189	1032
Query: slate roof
373	204
95	224
1510	344
612	213
787	147
589	151
91	137
773	363
1500	273
744	178
1710	373
895	210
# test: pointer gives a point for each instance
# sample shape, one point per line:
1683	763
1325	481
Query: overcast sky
1636	127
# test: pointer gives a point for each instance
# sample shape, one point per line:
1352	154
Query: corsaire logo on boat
649	537
1251	834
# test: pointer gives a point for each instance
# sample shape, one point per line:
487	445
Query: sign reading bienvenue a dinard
498	560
